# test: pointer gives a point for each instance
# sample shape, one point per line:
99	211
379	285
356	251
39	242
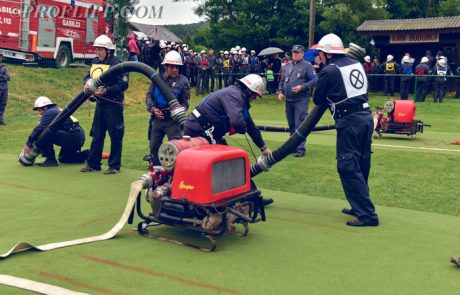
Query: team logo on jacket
97	70
354	79
357	79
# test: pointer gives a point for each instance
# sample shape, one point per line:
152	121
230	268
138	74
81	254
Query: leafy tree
449	8
413	8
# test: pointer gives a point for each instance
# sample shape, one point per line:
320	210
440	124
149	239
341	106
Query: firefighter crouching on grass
227	111
161	123
70	136
108	115
342	85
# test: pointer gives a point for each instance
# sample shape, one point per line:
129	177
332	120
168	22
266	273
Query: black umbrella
270	51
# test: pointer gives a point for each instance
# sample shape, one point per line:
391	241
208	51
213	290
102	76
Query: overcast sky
173	13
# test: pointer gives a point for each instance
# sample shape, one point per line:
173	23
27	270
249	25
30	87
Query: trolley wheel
142	228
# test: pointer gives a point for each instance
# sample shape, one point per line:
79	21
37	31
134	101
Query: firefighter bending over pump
227	111
70	136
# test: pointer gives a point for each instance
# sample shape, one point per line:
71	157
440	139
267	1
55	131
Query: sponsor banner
422	37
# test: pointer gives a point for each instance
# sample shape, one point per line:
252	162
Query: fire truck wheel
63	57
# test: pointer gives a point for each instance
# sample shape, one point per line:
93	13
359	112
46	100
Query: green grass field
303	248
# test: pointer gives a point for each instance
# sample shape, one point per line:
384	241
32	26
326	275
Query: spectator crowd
208	70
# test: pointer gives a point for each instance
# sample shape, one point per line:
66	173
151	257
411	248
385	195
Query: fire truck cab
56	31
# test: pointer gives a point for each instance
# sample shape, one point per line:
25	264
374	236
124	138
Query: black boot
48	163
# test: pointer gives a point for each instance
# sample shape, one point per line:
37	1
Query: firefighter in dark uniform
161	122
69	136
342	85
108	115
227	111
296	83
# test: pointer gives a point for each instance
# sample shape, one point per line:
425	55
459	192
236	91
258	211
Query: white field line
416	148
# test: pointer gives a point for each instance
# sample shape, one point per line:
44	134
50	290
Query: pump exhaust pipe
177	113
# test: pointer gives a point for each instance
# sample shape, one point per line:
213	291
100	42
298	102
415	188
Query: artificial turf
304	246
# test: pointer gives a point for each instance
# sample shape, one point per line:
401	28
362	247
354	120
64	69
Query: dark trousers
201	82
160	128
191	75
220	78
438	91
404	90
354	137
107	117
227	78
389	86
70	143
296	111
3	101
195	133
422	90
211	75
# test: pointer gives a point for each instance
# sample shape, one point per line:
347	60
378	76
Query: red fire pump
400	118
202	187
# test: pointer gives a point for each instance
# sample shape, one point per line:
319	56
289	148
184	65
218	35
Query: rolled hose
177	113
144	182
286	129
265	163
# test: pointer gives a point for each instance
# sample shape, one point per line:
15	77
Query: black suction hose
264	163
286	129
177	113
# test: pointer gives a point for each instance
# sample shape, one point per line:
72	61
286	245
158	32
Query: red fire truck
52	30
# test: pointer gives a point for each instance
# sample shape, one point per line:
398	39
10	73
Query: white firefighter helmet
41	102
233	49
172	58
243	49
331	43
406	59
389	57
104	42
442	62
367	58
226	52
254	83
202	51
425	59
237	47
253	51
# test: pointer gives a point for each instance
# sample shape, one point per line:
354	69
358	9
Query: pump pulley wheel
389	106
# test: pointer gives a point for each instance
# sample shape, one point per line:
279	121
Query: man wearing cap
405	81
253	62
161	121
220	69
108	115
368	69
4	78
440	70
296	83
69	136
342	86
390	68
212	67
202	72
422	70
